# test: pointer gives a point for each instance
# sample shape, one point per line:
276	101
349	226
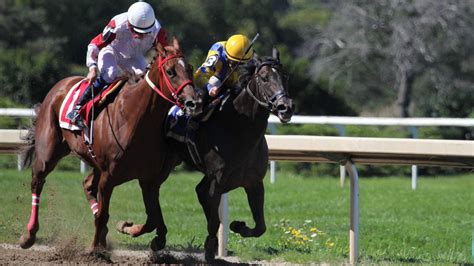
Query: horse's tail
28	151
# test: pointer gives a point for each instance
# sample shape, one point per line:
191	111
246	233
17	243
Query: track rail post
354	227
223	228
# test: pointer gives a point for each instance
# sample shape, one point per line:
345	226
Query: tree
381	49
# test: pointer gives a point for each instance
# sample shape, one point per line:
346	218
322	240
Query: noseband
268	102
164	79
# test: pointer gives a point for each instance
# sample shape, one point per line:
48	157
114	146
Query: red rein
164	78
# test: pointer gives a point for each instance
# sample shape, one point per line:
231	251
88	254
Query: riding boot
96	86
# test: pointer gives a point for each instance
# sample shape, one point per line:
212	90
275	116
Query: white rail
378	121
338	121
325	120
341	121
18	112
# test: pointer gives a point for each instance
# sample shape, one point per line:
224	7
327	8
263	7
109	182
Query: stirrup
73	115
79	122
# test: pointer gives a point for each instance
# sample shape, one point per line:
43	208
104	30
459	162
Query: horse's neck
138	101
245	105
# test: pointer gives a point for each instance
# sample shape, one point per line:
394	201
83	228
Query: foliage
29	56
342	58
379	50
45	41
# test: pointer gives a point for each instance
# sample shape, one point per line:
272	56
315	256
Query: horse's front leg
90	185
210	199
255	197
102	216
151	195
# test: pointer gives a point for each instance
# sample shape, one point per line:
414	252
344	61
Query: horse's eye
171	72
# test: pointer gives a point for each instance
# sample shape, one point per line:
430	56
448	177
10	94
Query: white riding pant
112	64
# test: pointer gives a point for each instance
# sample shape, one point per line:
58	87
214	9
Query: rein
164	79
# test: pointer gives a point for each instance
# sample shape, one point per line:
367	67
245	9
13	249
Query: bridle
270	103
164	79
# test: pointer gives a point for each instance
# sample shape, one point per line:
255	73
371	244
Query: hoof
101	254
241	228
210	257
27	240
237	226
103	237
122	225
211	248
158	243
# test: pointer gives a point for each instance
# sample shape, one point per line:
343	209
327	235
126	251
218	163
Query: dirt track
69	253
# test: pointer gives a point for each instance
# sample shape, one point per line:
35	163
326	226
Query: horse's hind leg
48	151
209	201
255	197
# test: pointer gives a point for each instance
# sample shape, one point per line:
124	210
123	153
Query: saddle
86	112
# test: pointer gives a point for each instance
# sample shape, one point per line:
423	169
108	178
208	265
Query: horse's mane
166	48
246	73
247	70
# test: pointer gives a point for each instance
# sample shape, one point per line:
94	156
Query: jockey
222	60
120	47
219	68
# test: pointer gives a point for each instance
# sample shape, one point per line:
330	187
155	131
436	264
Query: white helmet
141	17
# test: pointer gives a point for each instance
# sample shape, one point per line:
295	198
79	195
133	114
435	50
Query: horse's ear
160	50
276	53
176	44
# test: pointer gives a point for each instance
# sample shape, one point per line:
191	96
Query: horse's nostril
190	104
281	108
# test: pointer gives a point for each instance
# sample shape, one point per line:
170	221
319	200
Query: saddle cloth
175	124
74	94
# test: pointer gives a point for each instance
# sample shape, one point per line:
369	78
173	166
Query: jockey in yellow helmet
221	59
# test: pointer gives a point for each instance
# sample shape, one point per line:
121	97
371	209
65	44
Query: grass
433	224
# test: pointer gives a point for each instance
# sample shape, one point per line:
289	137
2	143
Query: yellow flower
313	230
295	232
329	243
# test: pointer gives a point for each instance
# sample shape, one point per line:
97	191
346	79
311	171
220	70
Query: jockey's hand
214	91
92	75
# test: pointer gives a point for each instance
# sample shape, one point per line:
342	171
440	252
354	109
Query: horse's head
176	75
272	86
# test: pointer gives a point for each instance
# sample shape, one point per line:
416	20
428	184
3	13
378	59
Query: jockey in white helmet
121	46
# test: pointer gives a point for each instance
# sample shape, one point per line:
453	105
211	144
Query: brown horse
232	147
128	141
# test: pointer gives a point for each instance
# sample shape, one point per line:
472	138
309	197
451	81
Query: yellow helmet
236	46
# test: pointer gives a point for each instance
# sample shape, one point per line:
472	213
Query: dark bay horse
233	149
128	140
